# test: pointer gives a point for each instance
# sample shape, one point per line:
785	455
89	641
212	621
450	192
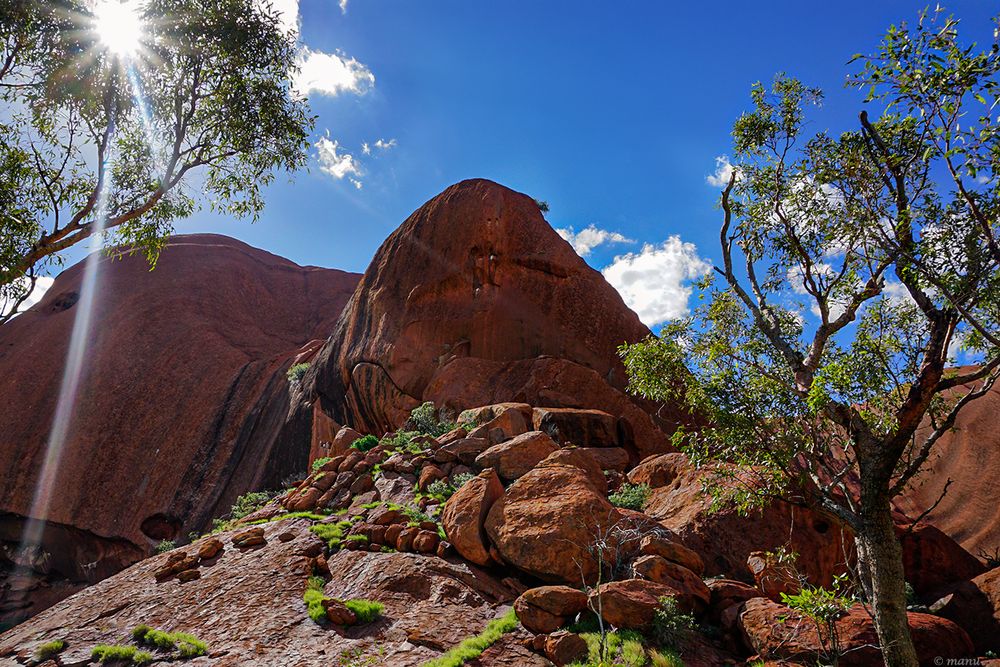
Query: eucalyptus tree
853	268
136	112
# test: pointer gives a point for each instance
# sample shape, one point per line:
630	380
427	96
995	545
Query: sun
118	24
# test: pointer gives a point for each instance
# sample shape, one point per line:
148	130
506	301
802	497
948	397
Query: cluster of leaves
631	496
245	505
332	533
319	463
440	490
187	645
671	628
472	647
119	653
365	443
424	419
459	480
823	606
49	649
401	441
296	372
366	611
164	546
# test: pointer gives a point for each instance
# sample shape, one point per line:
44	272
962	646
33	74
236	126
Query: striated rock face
181	405
475	287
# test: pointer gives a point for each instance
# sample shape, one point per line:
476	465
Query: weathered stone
632	603
583	428
564	648
426	542
338	613
209	548
657	545
535	619
465	514
251	537
515	457
663	571
556	600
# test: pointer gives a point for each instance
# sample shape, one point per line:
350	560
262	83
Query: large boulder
724	539
632	603
185	403
547	521
774	631
476	273
975	605
513	458
932	560
583	428
465	513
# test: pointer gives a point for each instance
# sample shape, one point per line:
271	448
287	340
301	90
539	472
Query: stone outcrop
473	294
186	394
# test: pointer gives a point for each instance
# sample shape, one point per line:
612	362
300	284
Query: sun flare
118	24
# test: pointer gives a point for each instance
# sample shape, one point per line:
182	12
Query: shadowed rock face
477	274
184	396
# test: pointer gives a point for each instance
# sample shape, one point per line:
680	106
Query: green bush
49	649
313	597
624	648
440	490
473	647
164	546
670	627
187	645
106	653
630	496
400	440
320	462
365	443
459	480
424	419
296	372
331	533
365	610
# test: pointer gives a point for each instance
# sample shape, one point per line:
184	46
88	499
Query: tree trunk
882	563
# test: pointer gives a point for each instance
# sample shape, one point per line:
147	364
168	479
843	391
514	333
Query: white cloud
42	284
288	13
723	172
587	239
381	145
331	74
343	6
652	281
338	165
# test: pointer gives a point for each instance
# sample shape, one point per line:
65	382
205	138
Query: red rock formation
182	399
477	275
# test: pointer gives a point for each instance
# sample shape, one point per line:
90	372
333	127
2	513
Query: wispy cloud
381	145
590	237
340	165
654	281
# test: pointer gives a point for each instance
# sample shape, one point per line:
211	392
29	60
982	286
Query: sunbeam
119	25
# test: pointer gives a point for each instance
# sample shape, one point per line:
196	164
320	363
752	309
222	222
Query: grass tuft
366	610
473	647
49	649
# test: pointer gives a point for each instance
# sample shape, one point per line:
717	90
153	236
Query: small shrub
670	627
320	462
473	647
249	503
296	372
365	443
189	646
543	206
165	546
366	610
664	659
106	653
313	597
424	419
459	480
440	490
332	533
357	538
49	649
630	496
823	607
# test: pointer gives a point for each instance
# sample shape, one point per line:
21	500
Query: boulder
773	578
466	449
724	539
609	458
547	520
776	632
932	560
465	513
251	537
516	456
209	548
345	437
975	605
556	600
662	571
581	459
428	474
487	413
632	603
564	648
658	545
338	613
535	619
475	273
572	426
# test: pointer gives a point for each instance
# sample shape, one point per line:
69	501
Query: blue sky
612	113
